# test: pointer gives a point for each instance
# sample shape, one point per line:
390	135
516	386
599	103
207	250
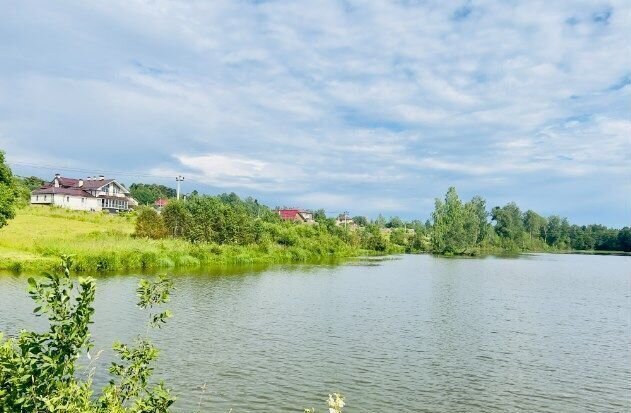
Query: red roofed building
296	215
160	203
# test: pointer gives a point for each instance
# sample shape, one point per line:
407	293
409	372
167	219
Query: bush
150	224
37	370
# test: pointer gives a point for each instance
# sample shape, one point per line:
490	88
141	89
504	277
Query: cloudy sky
366	106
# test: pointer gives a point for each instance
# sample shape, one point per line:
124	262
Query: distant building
296	215
344	220
90	194
160	203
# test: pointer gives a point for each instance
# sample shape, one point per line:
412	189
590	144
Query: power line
57	167
101	171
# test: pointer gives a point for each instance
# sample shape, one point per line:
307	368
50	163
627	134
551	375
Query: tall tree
533	223
558	231
509	223
8	192
452	225
479	218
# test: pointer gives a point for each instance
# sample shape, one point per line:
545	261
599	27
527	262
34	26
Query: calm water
544	333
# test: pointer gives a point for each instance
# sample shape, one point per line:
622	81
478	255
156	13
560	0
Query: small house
296	215
160	203
344	220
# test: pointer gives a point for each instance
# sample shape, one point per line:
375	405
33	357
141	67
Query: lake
416	333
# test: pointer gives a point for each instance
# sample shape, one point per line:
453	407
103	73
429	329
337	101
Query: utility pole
345	219
178	179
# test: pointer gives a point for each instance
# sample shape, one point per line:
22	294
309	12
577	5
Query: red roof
289	213
160	202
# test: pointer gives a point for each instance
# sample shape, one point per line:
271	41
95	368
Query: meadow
33	241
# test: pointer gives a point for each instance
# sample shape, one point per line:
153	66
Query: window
83	200
37	197
44	197
67	199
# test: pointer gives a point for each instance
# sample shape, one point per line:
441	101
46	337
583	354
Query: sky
361	106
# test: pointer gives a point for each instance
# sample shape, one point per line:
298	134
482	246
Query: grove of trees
464	228
147	194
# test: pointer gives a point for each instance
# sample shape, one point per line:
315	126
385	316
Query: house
296	215
90	194
160	203
344	220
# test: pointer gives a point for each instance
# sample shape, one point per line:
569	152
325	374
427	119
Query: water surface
545	333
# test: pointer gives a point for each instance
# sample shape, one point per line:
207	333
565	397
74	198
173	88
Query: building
90	194
296	215
344	220
160	203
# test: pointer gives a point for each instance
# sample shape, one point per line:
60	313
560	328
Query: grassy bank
33	241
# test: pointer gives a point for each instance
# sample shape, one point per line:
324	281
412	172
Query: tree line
455	227
468	227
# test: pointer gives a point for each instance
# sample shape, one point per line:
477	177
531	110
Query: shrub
149	224
37	370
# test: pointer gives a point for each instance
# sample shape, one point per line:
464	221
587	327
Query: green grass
33	241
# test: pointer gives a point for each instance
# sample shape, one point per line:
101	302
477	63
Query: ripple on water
415	334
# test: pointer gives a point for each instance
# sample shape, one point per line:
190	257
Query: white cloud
384	102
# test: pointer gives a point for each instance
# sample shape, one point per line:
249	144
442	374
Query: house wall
42	199
109	191
76	202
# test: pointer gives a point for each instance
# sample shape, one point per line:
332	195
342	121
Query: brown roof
95	184
62	191
74	183
67	181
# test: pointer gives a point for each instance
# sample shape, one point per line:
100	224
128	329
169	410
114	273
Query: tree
373	239
395	222
8	192
453	224
32	182
558	231
147	194
150	224
380	221
176	218
319	215
509	225
479	219
362	221
624	239
533	223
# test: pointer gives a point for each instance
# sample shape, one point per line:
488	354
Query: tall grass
33	241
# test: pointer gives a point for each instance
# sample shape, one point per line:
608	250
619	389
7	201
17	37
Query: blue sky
371	107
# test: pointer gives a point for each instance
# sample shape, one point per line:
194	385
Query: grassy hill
33	241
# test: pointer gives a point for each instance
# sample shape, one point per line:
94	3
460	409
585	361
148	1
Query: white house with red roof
90	194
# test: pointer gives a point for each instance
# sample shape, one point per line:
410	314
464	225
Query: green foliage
9	194
177	218
147	194
38	370
456	226
362	221
150	224
31	182
509	225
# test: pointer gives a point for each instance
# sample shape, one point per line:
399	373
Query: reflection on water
545	333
